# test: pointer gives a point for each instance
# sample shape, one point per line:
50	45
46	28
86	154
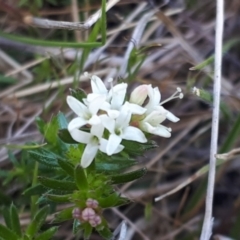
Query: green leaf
63	215
80	178
37	221
138	149
59	198
15	223
113	163
87	231
108	201
7	217
66	137
105	233
34	190
51	130
45	157
15	146
76	226
57	184
74	153
122	201
79	94
40	124
40	42
25	237
48	234
4	199
67	167
7	80
7	234
128	177
62	121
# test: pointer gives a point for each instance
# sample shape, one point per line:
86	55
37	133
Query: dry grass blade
51	24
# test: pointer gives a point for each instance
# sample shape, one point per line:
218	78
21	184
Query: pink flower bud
76	213
139	95
95	221
91	203
88	214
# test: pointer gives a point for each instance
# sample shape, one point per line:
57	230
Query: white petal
78	107
80	136
108	123
97	85
103	146
172	117
94	120
134	108
154	97
97	130
76	123
134	134
119	148
118	95
113	143
113	113
95	104
89	154
160	130
155	118
123	119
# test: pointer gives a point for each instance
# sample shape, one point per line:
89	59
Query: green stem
34	199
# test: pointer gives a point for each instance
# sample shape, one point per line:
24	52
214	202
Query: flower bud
139	95
95	221
91	203
76	213
88	214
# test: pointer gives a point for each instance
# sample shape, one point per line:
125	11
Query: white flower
114	98
94	142
119	129
154	103
139	94
86	114
155	114
152	123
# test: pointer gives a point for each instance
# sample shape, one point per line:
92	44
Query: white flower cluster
111	118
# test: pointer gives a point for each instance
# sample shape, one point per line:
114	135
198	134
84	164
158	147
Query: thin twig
208	219
46	23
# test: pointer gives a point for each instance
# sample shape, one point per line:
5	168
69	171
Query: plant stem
34	199
208	219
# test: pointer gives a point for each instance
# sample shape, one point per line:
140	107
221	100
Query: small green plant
13	229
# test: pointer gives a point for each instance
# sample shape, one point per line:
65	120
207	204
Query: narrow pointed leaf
63	215
25	237
37	221
34	190
87	231
67	167
108	201
15	223
105	233
7	217
44	156
47	234
79	94
128	177
80	178
57	184
7	234
62	121
65	136
59	198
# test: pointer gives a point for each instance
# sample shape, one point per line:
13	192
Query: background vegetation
167	44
